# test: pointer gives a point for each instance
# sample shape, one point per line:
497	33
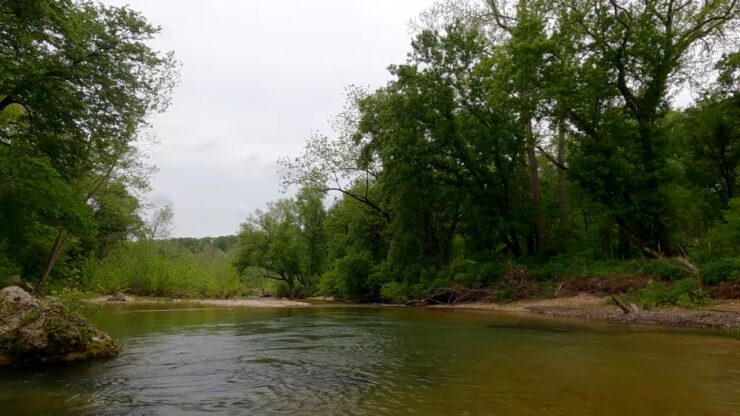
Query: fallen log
621	305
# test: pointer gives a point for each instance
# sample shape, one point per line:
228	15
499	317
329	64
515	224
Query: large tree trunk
562	195
534	183
56	252
291	285
58	247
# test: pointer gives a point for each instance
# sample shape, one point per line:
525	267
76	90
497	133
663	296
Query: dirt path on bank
723	314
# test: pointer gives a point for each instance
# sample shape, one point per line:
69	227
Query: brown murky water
381	361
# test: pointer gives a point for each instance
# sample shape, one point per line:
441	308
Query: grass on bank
153	269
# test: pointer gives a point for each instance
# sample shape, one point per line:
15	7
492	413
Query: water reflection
380	361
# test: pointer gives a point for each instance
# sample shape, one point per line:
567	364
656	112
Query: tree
514	131
115	219
453	156
632	52
286	242
159	226
77	82
312	217
710	135
521	65
342	164
357	241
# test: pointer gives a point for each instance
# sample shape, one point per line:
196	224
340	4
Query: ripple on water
379	362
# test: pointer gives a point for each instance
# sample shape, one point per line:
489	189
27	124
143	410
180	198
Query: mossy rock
42	330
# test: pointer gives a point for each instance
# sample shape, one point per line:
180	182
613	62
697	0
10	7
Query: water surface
381	361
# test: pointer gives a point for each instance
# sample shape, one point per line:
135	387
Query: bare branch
551	158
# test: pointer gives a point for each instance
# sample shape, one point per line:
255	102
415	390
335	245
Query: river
180	359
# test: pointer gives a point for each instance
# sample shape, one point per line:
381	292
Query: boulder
36	330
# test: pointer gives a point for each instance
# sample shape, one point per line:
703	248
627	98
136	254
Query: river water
181	359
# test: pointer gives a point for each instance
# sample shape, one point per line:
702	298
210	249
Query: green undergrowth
74	301
646	282
148	269
572	267
684	293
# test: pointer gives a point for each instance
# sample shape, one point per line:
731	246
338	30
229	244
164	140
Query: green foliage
685	293
165	269
77	83
224	243
574	266
446	175
33	199
724	239
722	270
349	277
73	300
470	273
395	292
285	243
546	141
504	293
718	256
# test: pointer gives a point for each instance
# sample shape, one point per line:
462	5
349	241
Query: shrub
578	266
74	301
349	276
394	292
721	270
504	293
684	292
664	268
724	239
479	274
146	269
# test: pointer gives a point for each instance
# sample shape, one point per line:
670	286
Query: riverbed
199	359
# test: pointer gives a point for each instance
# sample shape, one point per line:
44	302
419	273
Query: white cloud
257	78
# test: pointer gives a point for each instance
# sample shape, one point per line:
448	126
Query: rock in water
42	330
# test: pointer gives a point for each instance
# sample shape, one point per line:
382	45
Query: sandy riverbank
723	314
251	303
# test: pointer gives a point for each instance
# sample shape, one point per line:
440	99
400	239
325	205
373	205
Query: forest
522	146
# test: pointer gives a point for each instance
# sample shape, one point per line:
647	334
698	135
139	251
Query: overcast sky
258	77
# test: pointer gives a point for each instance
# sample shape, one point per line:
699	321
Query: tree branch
499	17
361	199
552	159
